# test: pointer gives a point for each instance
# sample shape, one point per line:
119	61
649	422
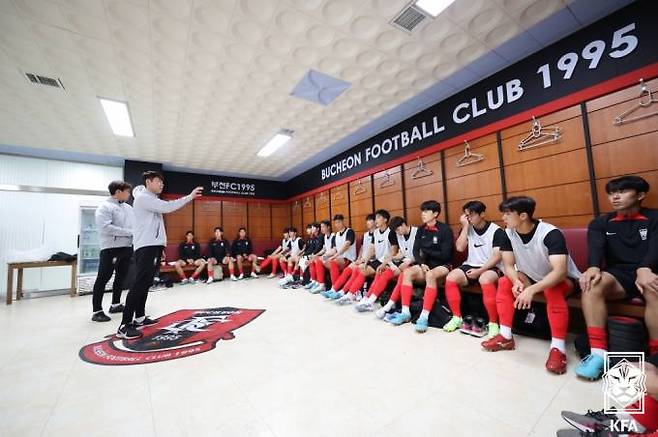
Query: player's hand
647	281
380	269
473	273
591	277
425	268
524	299
463	219
517	287
189	261
196	192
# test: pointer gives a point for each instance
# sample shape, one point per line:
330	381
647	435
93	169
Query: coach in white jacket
114	220
149	239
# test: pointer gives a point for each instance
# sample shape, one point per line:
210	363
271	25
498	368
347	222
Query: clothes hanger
339	196
646	99
387	182
307	202
469	157
421	171
539	136
360	189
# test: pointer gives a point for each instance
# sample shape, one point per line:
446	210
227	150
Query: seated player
189	254
432	254
344	280
317	261
290	260
406	236
273	258
341	254
384	247
242	250
483	266
218	255
312	246
626	243
543	265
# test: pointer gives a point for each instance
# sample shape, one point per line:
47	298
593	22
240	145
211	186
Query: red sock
649	419
429	298
231	270
406	291
182	276
342	279
319	270
295	272
357	282
195	275
266	263
598	338
505	302
284	267
653	346
395	296
334	272
489	300
275	265
380	282
454	297
557	309
311	268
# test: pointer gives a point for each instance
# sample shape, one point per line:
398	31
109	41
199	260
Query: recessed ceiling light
118	116
276	142
433	7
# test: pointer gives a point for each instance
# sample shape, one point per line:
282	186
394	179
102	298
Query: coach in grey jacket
149	238
114	220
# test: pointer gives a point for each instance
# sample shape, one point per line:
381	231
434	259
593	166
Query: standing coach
150	239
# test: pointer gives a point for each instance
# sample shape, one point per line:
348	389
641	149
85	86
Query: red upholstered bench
577	244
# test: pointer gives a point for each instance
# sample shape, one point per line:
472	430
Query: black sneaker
115	309
100	317
578	433
590	421
146	322
128	332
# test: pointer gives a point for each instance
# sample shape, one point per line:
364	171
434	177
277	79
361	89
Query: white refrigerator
88	250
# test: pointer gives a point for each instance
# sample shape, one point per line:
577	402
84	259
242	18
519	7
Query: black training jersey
242	247
314	245
189	251
433	245
219	249
627	242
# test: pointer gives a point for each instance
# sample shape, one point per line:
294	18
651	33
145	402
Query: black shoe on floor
146	322
128	332
100	317
115	309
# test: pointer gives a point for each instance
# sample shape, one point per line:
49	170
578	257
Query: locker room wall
388	192
179	222
626	148
280	219
474	180
322	206
308	212
259	226
340	202
361	202
207	215
297	216
420	187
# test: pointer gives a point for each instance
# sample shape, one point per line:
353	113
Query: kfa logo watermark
624	386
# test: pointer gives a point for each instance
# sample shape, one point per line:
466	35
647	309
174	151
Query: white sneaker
241	276
271	275
184	281
254	275
285	280
364	306
380	313
317	289
257	269
348	299
210	280
233	278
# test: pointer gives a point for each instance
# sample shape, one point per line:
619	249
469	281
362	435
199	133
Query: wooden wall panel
551	170
260	223
207	215
625	95
626	156
308	211
431	163
234	216
561	200
179	222
297	216
360	203
340	202
420	189
388	191
322	206
280	220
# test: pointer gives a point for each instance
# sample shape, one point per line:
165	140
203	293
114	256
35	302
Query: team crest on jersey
176	335
643	233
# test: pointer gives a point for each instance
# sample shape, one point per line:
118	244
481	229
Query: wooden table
31	265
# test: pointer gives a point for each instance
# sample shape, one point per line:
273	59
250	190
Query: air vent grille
408	19
38	79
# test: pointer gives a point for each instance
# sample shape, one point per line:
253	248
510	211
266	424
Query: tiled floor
304	367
